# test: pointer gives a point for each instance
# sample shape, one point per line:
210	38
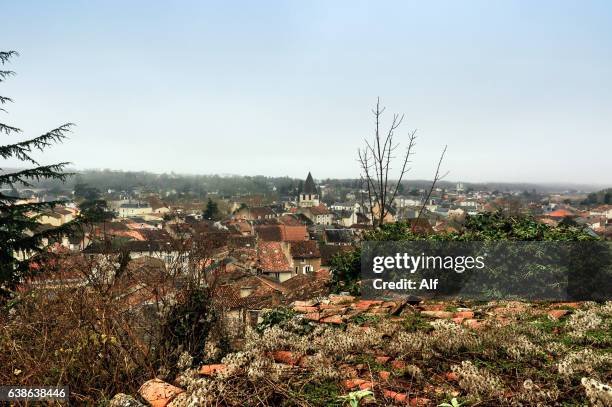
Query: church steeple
309	185
308	195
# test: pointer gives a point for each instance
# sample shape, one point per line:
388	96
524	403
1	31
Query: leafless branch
437	177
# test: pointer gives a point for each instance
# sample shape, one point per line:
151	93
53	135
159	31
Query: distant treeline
600	197
198	185
229	185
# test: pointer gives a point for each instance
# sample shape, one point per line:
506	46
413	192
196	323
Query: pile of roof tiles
340	309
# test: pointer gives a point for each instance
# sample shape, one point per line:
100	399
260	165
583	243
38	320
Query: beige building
319	215
128	210
57	217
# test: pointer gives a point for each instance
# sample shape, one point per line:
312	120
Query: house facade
305	256
128	210
319	215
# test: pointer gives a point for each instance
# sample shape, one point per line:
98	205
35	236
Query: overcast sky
520	91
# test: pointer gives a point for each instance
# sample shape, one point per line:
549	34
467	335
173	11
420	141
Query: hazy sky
520	91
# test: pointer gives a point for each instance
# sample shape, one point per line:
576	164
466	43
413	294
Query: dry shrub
75	337
104	330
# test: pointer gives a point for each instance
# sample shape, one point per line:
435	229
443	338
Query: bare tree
376	159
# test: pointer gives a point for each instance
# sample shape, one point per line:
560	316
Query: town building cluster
271	251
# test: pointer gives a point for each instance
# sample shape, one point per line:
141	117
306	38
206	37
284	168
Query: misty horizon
557	186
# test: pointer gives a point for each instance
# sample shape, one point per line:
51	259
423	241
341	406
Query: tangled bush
73	336
106	337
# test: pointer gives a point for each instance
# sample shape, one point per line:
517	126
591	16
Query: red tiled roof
279	233
228	295
307	249
560	213
307	286
271	257
260	212
272	284
294	233
242	241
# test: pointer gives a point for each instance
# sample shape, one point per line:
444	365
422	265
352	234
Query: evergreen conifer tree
21	237
212	210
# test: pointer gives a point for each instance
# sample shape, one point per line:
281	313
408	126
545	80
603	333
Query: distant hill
509	186
231	184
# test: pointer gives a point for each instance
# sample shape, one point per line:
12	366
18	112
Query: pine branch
20	150
43	172
6	129
4	99
7	203
14	223
6	74
6	55
7	198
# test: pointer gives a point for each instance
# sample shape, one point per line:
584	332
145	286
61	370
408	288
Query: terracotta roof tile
294	233
159	393
560	213
305	250
271	257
